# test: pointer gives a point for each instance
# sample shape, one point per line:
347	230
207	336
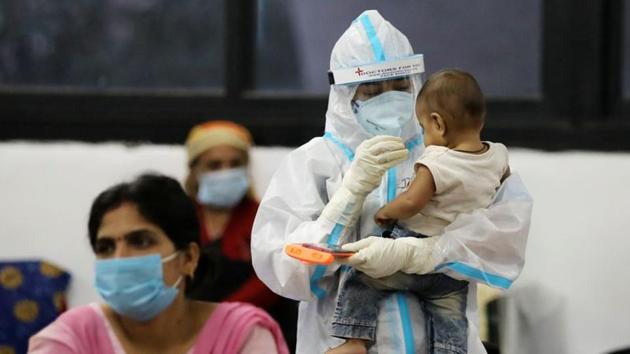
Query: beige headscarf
217	132
210	134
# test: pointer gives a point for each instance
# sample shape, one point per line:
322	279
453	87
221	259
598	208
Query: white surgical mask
385	114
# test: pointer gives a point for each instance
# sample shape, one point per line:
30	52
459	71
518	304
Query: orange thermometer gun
315	253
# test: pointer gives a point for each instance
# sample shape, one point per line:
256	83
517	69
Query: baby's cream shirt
463	182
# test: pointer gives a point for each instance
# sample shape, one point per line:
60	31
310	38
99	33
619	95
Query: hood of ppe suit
354	48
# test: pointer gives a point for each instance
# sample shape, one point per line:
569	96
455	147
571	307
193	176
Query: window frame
579	108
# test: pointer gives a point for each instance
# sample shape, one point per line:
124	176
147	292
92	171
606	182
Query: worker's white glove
379	257
372	159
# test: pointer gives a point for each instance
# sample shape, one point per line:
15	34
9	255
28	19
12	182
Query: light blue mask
134	286
223	189
385	114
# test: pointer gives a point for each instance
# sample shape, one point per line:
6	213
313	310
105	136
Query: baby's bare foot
351	346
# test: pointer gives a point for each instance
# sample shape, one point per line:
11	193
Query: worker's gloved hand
379	257
371	160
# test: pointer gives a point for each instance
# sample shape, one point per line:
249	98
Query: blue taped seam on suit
488	278
404	317
391	194
333	238
403	309
346	150
413	142
318	274
391	187
379	54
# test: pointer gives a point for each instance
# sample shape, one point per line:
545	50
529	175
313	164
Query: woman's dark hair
160	200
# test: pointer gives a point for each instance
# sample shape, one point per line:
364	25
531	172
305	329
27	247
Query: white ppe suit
484	246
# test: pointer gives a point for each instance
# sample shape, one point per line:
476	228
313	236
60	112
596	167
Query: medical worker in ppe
328	190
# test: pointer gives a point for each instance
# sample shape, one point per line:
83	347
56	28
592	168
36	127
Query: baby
457	173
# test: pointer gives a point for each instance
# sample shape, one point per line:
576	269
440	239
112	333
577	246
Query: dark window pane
498	41
112	43
626	50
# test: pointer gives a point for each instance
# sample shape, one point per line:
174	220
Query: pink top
233	327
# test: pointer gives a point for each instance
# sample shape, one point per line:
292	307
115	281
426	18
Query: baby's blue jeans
443	301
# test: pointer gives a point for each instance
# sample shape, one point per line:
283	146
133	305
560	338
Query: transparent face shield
384	99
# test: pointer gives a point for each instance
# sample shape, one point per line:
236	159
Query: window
147	70
112	43
498	41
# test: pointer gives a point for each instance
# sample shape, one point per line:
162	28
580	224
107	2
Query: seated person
145	237
219	183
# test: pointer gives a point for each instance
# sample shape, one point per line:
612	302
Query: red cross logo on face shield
359	71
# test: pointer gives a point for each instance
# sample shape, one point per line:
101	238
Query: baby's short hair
455	93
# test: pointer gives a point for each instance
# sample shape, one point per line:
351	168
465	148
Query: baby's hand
381	219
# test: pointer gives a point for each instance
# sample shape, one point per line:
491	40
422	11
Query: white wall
577	252
580	243
46	191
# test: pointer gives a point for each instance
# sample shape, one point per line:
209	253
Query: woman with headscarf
220	184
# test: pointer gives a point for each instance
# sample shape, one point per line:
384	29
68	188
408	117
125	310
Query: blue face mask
385	114
134	286
223	189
